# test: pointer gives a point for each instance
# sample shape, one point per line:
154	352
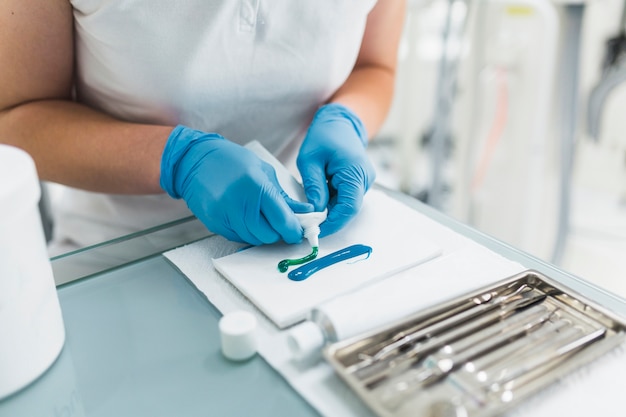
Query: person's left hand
336	171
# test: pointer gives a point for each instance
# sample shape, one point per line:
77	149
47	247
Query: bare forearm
369	89
368	92
77	146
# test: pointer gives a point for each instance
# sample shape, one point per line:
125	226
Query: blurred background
510	116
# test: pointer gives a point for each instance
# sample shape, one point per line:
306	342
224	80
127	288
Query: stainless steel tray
479	354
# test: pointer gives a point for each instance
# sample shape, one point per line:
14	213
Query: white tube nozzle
305	341
310	222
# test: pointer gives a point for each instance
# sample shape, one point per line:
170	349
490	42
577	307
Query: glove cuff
181	139
339	110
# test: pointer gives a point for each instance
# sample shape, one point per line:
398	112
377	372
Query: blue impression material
309	269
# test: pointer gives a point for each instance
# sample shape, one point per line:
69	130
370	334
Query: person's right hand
230	189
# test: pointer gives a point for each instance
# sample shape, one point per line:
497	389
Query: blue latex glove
336	171
230	189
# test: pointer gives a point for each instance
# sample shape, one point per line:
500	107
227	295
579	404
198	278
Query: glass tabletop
142	341
127	249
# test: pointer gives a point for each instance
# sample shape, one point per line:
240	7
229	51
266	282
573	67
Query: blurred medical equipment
438	136
503	142
31	325
613	75
499	142
569	97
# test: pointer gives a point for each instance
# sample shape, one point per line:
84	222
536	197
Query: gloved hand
230	189
334	151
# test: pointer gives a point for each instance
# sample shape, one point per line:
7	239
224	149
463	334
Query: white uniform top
247	69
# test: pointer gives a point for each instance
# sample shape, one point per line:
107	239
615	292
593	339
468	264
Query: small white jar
31	325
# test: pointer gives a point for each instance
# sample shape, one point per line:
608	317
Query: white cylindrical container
238	335
31	325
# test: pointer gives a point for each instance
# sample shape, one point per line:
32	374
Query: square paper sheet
390	228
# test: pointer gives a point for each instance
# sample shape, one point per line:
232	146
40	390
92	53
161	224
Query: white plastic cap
310	222
305	340
238	335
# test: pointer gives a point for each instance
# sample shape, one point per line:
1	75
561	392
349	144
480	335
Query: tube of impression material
354	313
31	325
310	223
396	297
348	315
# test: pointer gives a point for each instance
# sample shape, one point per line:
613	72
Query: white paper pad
396	245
